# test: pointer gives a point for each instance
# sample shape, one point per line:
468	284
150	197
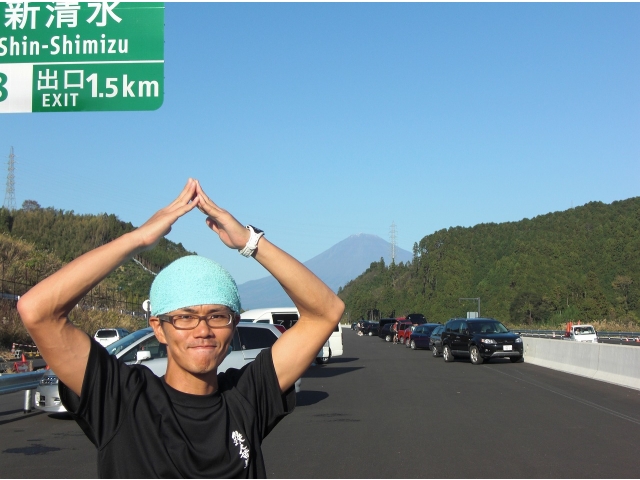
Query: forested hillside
67	235
579	264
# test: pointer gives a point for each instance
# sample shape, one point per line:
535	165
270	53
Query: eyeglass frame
170	319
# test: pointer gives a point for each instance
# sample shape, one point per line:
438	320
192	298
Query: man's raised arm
45	308
320	309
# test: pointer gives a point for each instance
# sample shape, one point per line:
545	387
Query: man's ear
158	329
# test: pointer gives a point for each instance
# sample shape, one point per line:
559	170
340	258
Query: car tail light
280	327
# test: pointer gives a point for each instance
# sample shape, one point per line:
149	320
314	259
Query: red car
404	330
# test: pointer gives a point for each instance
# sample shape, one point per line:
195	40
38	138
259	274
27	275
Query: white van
287	317
335	342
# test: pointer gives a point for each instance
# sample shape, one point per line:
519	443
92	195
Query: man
192	422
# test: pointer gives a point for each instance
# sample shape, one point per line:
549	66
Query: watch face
256	229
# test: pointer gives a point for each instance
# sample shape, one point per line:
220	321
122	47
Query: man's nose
203	330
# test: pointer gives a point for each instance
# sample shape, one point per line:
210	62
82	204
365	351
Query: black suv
416	318
383	321
480	339
385	332
369	328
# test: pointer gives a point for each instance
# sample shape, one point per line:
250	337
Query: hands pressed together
230	231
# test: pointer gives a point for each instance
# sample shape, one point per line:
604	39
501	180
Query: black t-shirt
143	428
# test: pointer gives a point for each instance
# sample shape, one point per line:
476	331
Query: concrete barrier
619	364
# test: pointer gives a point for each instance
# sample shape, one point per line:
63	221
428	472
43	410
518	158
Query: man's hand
159	225
230	231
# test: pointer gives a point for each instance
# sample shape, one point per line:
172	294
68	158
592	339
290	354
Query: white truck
286	317
581	333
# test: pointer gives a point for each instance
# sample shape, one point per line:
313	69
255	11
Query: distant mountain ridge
336	266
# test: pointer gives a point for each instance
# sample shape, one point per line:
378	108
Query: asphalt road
385	411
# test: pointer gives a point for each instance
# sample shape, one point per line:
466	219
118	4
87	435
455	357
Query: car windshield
106	333
117	347
487	327
584	330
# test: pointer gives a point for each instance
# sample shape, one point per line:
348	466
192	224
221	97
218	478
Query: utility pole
10	192
392	234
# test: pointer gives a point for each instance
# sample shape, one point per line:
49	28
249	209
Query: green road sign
81	56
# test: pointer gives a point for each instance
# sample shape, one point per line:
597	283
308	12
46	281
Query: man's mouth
204	346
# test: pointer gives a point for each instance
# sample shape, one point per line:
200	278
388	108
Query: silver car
143	347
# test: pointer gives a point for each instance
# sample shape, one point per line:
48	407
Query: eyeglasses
191	321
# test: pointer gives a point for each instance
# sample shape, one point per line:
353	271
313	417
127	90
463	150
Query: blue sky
319	121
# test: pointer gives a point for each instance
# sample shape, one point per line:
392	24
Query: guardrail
16	382
619	337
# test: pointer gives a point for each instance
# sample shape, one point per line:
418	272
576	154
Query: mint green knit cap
191	281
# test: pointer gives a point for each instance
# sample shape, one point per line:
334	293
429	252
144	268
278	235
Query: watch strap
252	243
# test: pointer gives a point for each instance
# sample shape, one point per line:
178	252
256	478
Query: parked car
581	333
383	321
106	336
404	330
324	355
370	328
385	332
480	339
435	341
142	347
420	336
416	318
336	347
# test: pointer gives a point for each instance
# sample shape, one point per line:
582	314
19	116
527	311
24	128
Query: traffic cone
24	359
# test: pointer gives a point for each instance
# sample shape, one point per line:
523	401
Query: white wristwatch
252	244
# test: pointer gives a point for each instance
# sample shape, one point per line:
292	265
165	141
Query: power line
10	192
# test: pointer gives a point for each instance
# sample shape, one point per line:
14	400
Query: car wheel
371	334
516	359
434	351
446	354
474	353
322	360
388	338
413	345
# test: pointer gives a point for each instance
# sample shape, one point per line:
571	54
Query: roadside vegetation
35	242
582	264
